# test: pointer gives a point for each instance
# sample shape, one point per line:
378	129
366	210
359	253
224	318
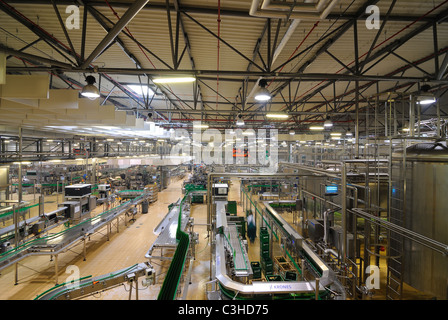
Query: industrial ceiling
320	58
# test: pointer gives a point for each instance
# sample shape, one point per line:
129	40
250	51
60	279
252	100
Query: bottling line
303	233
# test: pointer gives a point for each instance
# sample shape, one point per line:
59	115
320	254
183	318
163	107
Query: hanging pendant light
90	90
262	94
328	123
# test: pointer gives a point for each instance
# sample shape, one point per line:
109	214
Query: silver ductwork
308	10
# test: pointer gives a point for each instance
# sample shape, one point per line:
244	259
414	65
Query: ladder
395	267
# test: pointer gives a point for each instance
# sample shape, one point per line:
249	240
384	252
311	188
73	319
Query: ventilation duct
306	10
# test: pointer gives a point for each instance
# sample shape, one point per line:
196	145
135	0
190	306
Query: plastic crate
290	276
256	269
264	246
267	265
264	253
274	277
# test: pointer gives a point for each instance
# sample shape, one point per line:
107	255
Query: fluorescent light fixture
316	128
248	133
292	132
328	124
427	100
141	89
336	134
277	116
200	126
174	80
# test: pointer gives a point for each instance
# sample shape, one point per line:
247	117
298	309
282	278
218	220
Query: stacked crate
153	190
256	269
266	261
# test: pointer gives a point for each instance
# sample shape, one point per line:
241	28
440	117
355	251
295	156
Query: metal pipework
239	175
259	287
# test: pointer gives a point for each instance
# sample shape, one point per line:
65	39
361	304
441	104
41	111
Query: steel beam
133	10
33	57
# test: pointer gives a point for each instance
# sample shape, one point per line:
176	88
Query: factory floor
126	248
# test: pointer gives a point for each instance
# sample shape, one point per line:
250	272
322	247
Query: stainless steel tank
420	181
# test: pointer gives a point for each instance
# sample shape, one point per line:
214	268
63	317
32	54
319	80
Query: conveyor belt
259	289
241	262
87	285
53	244
174	273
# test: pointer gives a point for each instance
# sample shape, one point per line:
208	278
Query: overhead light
349	133
89	90
248	133
426	97
317	128
174	80
240	121
200	126
262	93
336	134
141	90
292	132
149	119
328	123
424	100
277	115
